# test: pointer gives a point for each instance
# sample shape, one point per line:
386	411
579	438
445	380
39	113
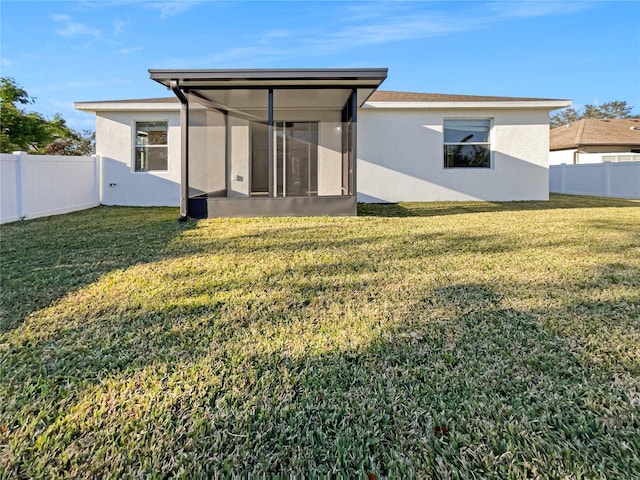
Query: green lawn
445	340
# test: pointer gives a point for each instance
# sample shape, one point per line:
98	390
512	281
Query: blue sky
62	52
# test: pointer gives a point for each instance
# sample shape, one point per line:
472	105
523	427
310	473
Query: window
466	143
151	146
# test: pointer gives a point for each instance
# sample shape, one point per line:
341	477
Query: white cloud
84	84
60	105
60	17
366	25
537	8
274	34
73	29
65	86
172	7
5	62
118	27
127	51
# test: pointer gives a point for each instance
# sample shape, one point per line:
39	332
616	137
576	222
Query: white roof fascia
128	106
150	107
547	105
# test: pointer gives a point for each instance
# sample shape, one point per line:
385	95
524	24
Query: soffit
257	99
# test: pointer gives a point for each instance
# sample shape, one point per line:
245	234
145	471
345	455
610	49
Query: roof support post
354	142
271	143
184	150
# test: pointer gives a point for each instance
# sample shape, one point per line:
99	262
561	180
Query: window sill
469	169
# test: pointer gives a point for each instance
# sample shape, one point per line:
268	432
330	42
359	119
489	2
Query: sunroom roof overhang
364	80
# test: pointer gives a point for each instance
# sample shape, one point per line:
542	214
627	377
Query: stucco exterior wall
207	132
121	184
400	156
329	146
591	155
558	157
239	143
329	149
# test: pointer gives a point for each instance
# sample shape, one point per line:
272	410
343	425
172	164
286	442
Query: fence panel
41	185
606	179
624	179
9	208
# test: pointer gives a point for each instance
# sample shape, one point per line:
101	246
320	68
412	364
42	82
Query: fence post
607	178
20	156
563	166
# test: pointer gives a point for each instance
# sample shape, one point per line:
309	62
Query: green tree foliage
66	141
610	110
32	132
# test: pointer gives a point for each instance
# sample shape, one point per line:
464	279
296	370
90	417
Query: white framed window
467	143
151	152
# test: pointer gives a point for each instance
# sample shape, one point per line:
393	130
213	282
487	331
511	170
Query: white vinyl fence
34	186
606	179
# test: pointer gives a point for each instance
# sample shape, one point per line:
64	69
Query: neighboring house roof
596	132
379	99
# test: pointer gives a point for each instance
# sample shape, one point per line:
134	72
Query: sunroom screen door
297	159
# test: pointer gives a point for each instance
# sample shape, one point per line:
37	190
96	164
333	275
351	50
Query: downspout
184	151
578	141
576	155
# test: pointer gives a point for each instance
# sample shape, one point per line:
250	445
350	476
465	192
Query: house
592	140
314	142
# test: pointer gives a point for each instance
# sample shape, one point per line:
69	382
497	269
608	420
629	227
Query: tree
19	130
32	132
609	110
66	141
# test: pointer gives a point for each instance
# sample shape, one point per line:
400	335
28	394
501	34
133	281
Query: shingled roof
391	96
137	100
596	132
379	98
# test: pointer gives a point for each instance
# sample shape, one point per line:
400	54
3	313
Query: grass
447	340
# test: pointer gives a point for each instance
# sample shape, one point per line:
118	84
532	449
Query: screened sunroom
269	142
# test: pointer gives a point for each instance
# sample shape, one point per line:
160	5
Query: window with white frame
466	143
151	151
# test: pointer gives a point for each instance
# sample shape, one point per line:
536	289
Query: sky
63	52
